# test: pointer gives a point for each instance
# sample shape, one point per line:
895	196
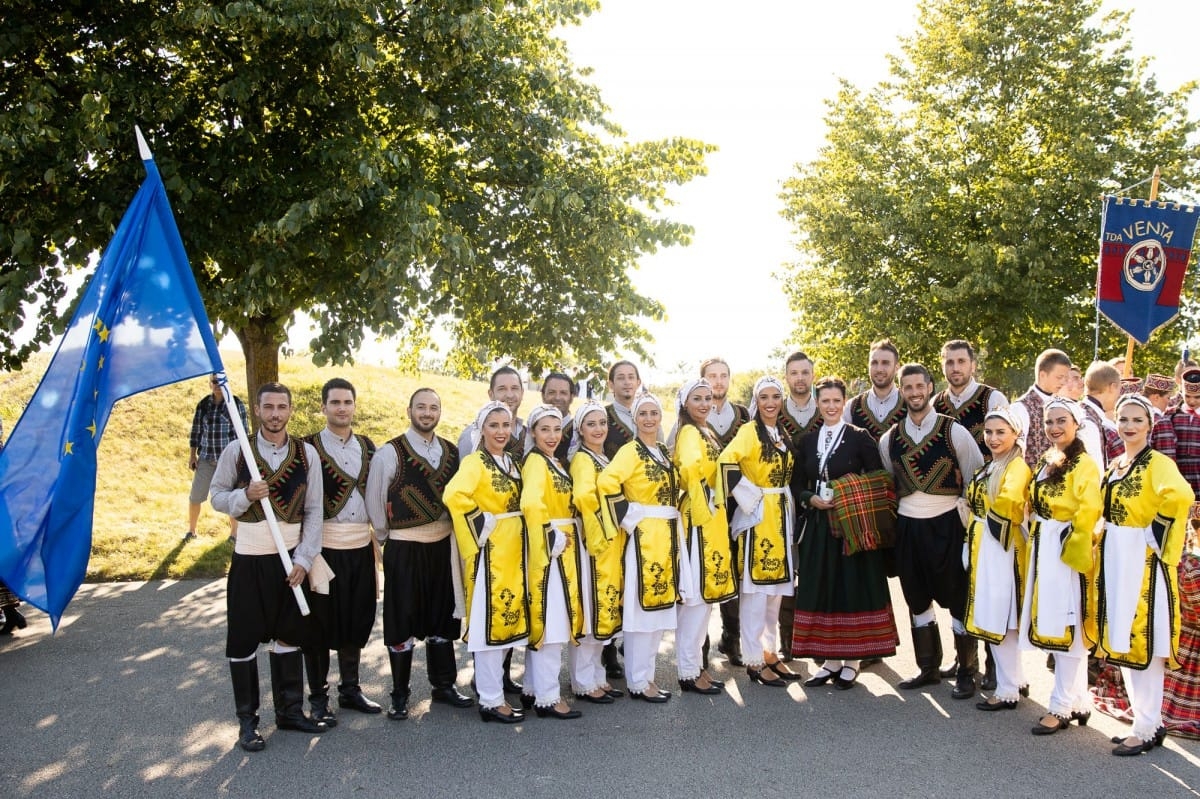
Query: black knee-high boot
401	673
245	699
730	644
316	663
350	695
968	666
287	688
927	647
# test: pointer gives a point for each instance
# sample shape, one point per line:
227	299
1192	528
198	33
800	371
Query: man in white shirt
878	408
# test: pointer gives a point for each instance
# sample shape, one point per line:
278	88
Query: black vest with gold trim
414	496
618	434
339	485
931	466
741	415
286	486
790	427
970	414
860	416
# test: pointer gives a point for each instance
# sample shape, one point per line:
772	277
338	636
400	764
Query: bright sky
753	79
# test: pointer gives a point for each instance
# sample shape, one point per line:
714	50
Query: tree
385	164
960	198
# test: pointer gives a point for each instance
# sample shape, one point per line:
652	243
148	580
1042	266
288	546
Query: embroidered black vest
415	494
286	486
970	414
339	485
860	416
931	466
792	429
618	434
741	415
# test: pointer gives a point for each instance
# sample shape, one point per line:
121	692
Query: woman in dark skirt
843	608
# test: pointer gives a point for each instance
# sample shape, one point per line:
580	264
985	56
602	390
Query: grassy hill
143	481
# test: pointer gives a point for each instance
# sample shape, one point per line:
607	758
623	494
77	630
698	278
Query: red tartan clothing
1187	445
1162	435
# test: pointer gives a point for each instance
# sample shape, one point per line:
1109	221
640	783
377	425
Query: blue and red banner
1144	251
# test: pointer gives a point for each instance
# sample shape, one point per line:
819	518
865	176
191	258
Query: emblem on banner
1145	265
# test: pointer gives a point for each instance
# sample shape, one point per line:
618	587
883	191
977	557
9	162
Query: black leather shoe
926	677
612	664
656	699
689	686
845	683
603	699
615	693
765	676
357	701
731	651
526	701
1080	717
511	686
321	711
450	696
13	619
248	736
998	704
822	676
554	713
300	723
397	713
514	716
1060	723
1124	750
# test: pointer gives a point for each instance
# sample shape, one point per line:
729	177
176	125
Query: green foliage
960	198
378	164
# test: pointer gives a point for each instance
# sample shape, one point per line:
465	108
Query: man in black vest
420	597
931	457
260	605
347	613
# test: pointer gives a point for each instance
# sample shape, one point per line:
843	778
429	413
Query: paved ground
132	698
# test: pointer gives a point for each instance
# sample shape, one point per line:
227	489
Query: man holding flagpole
259	601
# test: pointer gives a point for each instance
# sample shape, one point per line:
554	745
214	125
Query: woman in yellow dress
600	560
755	470
1066	504
997	497
705	557
555	611
484	501
639	492
1136	593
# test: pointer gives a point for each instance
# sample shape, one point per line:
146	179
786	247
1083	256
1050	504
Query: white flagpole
252	465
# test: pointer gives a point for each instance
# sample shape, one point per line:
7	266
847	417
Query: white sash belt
429	533
345	535
254	538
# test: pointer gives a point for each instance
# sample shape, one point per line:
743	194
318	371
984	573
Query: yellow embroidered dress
601	558
1135	597
484	501
1065	512
555	608
640	489
707	553
764	555
997	549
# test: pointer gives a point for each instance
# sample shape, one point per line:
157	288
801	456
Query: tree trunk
260	345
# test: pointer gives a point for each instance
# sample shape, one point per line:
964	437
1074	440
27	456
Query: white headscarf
681	398
539	412
1005	415
481	417
1140	400
1072	407
584	410
996	477
763	382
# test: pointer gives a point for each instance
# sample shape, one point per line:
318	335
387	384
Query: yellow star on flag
68	448
92	427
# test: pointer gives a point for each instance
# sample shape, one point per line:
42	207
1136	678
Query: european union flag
140	325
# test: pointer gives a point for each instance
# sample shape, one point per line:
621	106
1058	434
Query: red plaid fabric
1162	436
864	511
1187	446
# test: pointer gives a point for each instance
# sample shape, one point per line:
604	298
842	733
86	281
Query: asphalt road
132	698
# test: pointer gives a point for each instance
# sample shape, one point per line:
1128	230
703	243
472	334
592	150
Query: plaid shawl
864	511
